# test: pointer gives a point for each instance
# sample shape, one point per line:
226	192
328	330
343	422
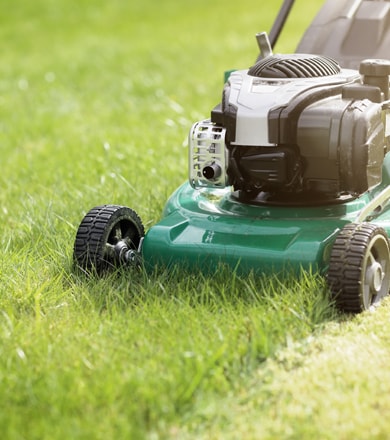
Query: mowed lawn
96	100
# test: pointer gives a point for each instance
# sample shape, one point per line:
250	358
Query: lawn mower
291	171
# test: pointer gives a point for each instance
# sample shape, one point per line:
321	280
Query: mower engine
295	129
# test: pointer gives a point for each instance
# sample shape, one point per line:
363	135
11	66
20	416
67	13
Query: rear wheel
108	236
359	267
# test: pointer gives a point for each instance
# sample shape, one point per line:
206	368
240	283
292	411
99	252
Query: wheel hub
125	254
121	249
375	277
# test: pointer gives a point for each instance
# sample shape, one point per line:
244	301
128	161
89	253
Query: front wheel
108	236
359	267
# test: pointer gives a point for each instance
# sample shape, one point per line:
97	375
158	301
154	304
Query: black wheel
105	237
359	267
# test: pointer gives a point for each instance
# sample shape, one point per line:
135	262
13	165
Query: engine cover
296	125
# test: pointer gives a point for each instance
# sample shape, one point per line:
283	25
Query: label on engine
262	88
267	86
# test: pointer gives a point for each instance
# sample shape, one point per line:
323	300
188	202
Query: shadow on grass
225	286
273	308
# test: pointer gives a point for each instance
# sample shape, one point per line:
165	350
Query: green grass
118	357
96	100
